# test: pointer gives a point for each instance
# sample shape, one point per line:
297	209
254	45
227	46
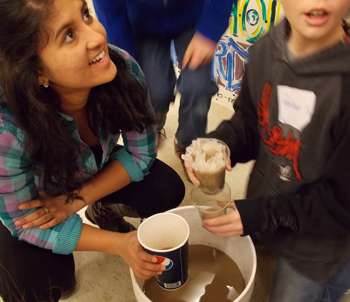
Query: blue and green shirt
19	183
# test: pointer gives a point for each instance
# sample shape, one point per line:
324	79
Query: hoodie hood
328	61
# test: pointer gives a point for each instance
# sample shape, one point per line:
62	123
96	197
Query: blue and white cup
165	235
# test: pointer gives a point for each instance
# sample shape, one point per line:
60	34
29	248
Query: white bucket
240	249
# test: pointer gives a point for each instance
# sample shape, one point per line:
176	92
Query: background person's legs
29	273
154	57
196	88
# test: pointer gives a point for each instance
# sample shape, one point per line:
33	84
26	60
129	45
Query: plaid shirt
19	183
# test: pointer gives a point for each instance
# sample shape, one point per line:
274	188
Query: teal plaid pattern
19	183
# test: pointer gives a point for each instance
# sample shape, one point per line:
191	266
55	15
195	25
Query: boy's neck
301	46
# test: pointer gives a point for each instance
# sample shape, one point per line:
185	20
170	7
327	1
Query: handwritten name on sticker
295	106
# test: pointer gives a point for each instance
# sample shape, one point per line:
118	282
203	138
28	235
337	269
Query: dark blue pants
195	86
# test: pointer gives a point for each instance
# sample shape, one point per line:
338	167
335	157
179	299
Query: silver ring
46	210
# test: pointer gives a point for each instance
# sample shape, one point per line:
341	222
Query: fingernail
17	223
21	207
25	226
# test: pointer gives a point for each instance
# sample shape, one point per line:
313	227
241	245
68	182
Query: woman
66	98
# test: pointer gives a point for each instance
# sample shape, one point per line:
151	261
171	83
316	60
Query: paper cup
165	235
211	205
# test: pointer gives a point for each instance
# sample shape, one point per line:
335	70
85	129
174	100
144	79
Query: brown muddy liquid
211	181
213	276
214	180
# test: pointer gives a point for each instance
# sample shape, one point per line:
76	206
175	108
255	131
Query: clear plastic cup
211	205
212	177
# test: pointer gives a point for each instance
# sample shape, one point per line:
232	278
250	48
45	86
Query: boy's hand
199	52
227	225
196	182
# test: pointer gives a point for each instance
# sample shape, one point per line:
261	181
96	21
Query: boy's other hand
199	52
227	225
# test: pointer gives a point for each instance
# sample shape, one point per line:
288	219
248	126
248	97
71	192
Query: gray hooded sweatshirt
293	117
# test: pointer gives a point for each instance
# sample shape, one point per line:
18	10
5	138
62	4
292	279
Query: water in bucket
213	276
239	248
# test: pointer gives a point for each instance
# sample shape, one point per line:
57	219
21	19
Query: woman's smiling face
76	54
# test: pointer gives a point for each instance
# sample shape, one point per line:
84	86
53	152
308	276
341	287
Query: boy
293	118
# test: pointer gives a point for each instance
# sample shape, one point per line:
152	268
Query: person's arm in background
209	29
113	16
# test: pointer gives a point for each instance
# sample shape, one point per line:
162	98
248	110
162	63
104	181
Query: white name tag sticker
295	106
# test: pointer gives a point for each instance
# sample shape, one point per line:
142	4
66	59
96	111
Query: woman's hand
51	211
196	182
227	225
143	264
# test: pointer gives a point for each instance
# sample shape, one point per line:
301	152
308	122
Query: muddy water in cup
213	276
213	180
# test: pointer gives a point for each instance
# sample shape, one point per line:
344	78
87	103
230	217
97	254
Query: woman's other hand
51	211
227	225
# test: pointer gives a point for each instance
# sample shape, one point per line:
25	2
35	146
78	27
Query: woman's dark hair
114	106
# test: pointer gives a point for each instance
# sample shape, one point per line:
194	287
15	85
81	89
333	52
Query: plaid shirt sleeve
17	186
139	150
